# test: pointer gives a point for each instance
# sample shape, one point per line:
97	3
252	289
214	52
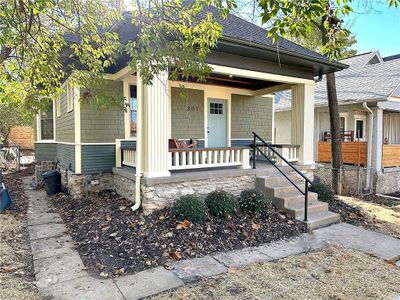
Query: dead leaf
233	270
114	234
120	271
162	218
245	233
290	222
8	269
183	225
353	216
104	274
256	226
108	218
176	255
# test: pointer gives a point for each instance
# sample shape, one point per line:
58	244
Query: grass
332	273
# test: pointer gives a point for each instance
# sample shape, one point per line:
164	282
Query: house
133	152
369	108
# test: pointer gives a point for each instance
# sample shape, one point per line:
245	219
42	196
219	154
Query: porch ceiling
237	82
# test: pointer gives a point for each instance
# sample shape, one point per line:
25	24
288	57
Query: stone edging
60	272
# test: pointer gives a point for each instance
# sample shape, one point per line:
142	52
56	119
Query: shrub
189	207
324	191
254	201
221	203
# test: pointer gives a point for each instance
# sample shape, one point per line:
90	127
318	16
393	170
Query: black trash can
52	182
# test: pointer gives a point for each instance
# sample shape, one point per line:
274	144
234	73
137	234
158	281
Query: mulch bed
112	239
349	214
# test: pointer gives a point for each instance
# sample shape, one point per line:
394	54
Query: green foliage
189	208
254	201
324	191
221	203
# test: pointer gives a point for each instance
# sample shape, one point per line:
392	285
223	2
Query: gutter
273	49
370	136
139	144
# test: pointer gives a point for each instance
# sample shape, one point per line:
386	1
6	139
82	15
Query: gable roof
360	82
247	39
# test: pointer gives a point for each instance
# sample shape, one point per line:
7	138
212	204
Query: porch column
155	126
303	121
377	140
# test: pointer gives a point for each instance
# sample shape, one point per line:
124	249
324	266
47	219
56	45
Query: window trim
364	120
70	91
39	128
58	107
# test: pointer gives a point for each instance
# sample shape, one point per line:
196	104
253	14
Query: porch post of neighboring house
155	127
303	122
377	140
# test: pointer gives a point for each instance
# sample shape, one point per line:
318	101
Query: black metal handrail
270	147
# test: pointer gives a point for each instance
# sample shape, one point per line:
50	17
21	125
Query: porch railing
195	158
124	155
288	151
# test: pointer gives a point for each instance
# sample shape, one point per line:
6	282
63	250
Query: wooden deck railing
391	155
196	158
354	153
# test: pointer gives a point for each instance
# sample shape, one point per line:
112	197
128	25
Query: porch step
291	201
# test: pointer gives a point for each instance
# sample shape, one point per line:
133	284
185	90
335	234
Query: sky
377	29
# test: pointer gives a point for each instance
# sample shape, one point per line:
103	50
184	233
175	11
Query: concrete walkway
60	273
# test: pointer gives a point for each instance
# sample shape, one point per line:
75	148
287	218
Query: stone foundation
388	182
159	195
79	185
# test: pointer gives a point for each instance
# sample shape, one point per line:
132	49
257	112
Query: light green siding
187	113
65	127
102	126
251	114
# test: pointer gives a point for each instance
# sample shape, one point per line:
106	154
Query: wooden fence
354	153
391	156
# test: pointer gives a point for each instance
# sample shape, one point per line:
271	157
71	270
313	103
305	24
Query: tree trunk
336	141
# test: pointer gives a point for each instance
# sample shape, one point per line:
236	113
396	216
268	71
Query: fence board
354	153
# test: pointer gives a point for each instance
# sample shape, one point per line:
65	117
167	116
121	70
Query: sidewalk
60	272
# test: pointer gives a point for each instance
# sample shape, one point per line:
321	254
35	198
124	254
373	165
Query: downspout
370	134
139	144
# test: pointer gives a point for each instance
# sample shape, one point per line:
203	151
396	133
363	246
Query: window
359	129
58	107
133	110
216	108
47	125
71	94
342	124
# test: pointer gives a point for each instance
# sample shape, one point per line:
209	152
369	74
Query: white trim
273	119
77	122
259	75
73	144
70	91
54	121
58	106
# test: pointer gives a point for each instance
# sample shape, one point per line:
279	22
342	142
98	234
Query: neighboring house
369	108
113	149
22	136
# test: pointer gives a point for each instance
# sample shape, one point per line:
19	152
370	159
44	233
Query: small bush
189	207
221	203
324	191
254	201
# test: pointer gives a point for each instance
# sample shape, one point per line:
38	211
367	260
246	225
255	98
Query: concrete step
297	210
279	190
322	219
293	198
278	179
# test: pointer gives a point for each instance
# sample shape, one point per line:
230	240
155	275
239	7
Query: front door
217	123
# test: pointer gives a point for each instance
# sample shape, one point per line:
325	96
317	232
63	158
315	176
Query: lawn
332	273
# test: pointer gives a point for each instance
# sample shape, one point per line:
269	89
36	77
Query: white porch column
377	140
303	121
155	127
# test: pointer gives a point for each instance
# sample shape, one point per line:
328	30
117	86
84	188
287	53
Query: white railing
196	158
126	157
289	152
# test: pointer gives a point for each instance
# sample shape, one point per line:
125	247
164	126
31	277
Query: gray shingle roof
360	82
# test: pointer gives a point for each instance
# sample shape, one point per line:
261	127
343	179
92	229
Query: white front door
217	123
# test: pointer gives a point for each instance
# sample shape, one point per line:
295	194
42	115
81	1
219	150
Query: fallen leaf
8	269
256	226
233	270
353	216
183	225
104	274
108	218
290	222
176	255
120	271
114	234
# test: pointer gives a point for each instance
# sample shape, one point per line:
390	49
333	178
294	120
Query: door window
216	108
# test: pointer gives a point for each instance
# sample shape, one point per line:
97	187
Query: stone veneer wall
388	181
160	195
79	185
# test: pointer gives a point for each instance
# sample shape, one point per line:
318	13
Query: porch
218	117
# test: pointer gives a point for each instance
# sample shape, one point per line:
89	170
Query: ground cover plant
221	203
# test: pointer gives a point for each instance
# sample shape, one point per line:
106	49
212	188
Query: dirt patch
332	273
16	266
112	239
